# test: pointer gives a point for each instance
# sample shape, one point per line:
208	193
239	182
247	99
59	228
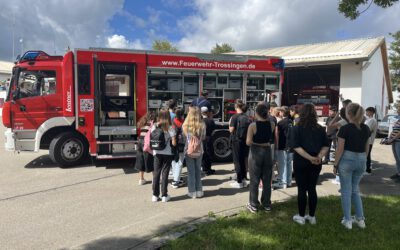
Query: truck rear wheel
221	146
68	149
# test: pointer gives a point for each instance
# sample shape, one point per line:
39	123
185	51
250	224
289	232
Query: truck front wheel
221	147
68	149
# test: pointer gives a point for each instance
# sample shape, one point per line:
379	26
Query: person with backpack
260	159
144	156
194	131
284	152
238	127
161	139
310	144
178	150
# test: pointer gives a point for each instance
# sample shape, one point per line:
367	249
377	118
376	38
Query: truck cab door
37	98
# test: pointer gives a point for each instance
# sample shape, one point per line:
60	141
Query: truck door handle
56	108
22	108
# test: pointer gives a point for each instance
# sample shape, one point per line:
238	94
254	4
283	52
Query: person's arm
250	134
306	155
322	153
232	124
339	152
276	137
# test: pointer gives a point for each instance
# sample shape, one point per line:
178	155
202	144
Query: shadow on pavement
44	161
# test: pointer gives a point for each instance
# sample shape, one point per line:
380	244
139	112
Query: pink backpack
194	147
146	146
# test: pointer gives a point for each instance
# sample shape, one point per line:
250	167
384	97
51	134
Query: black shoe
395	176
267	209
368	170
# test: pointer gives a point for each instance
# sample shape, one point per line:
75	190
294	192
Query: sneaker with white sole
155	198
192	195
359	222
299	219
166	198
245	183
279	186
311	219
236	185
199	194
142	182
348	224
251	208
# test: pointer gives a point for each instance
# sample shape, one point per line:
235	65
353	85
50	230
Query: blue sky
191	25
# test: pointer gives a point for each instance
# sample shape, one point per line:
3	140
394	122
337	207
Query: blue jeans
194	174
351	169
285	159
396	153
177	168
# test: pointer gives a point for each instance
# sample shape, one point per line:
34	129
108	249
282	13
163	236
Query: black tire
221	146
68	149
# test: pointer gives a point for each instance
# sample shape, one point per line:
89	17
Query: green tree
394	58
223	48
350	7
163	45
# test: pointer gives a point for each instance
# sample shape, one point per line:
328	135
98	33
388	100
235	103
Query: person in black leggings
310	143
258	138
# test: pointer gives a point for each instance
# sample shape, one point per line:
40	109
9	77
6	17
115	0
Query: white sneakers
302	220
279	186
299	219
166	198
155	198
195	195
239	185
163	199
311	219
349	224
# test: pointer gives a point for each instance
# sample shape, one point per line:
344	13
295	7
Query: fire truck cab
88	101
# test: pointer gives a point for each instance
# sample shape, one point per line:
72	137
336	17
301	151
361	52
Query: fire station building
353	69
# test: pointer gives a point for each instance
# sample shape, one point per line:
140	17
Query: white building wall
350	81
374	91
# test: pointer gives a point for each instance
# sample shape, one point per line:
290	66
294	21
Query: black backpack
242	125
179	137
157	139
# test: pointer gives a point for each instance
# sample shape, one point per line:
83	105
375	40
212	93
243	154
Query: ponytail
356	113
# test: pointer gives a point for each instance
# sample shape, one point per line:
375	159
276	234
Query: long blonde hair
164	119
193	123
355	113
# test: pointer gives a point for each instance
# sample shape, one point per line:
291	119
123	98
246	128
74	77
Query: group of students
168	140
298	137
288	137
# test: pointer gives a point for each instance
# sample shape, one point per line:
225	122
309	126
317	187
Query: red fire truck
88	101
322	97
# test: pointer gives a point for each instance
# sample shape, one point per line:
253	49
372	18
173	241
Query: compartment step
116	142
116	156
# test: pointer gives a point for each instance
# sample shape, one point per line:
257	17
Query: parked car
383	126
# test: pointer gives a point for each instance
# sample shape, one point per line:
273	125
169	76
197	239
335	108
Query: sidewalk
179	214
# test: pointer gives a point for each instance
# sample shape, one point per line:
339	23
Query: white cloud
120	42
256	24
54	25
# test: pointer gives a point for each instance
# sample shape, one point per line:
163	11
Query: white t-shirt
372	125
168	137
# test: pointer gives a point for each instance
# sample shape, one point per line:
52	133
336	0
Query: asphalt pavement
100	206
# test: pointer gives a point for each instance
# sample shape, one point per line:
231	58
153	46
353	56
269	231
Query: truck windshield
36	83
